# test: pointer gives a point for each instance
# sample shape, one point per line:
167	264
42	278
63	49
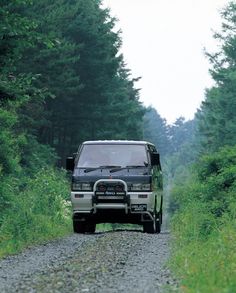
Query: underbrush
35	209
204	225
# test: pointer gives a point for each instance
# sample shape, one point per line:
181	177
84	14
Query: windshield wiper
89	169
127	167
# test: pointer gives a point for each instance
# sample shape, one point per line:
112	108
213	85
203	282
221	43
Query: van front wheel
78	227
90	228
149	227
83	227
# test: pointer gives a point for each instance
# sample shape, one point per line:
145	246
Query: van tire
84	227
149	227
90	228
78	227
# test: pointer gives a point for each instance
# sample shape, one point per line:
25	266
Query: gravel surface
114	261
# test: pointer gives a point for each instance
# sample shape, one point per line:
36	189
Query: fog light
102	188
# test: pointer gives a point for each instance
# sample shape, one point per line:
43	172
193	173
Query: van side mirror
155	159
70	163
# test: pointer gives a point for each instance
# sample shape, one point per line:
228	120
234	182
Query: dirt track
115	261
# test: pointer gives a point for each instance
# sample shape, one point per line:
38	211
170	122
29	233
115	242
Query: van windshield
121	155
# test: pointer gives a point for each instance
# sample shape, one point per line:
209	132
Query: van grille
110	192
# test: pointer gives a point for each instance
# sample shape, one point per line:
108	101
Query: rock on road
114	261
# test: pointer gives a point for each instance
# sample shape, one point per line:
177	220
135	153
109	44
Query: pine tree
90	94
156	131
216	117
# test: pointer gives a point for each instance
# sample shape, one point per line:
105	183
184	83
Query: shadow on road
119	230
165	232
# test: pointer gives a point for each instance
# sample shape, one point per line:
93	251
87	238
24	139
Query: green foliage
208	266
93	94
211	181
217	173
204	225
35	209
155	130
216	117
8	159
182	149
180	132
213	165
175	142
194	222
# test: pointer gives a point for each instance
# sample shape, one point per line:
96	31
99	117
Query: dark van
116	182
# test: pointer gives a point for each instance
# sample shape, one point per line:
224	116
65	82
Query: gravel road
114	261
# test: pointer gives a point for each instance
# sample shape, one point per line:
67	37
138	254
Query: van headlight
140	187
81	186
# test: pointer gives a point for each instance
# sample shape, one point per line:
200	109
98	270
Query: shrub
37	212
204	225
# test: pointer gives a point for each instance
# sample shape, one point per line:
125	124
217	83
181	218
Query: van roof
117	142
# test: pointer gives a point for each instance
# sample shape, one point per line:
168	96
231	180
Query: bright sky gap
163	42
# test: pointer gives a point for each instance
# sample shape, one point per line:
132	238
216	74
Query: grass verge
36	210
204	225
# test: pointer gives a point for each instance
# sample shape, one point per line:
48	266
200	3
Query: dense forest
63	80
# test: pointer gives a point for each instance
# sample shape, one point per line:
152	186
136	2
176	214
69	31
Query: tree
90	92
180	133
155	130
216	117
17	33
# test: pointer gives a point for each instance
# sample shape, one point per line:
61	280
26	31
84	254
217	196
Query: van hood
131	175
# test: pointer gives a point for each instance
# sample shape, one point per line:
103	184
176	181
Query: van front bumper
138	205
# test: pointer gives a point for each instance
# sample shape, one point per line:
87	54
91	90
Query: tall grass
204	226
36	210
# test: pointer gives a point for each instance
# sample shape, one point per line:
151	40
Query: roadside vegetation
33	209
60	72
203	195
205	224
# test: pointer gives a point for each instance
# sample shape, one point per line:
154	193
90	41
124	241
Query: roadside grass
207	265
204	226
37	211
47	231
